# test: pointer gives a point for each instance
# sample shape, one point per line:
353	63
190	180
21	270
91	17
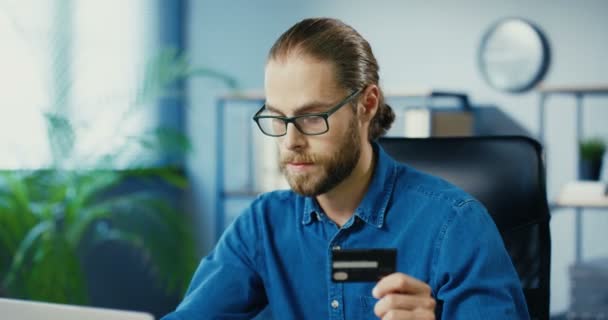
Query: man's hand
403	297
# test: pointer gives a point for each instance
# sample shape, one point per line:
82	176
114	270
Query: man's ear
368	105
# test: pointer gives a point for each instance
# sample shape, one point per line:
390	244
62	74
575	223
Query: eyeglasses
311	124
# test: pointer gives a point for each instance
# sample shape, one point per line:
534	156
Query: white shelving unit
570	193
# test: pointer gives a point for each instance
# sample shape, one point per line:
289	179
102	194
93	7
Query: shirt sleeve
475	278
227	284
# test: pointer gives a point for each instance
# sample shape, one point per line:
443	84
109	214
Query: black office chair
507	175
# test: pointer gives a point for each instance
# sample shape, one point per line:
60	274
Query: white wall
419	44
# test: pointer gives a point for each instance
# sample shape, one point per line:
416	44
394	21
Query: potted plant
591	155
51	218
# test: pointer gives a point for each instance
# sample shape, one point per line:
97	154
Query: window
83	59
24	78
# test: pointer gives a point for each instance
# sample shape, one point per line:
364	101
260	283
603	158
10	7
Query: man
325	109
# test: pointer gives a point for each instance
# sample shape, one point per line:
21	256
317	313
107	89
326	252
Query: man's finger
400	283
403	302
409	315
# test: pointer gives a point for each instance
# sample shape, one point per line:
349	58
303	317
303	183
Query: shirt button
335	304
336	248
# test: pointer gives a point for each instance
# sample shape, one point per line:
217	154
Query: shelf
457	110
256	95
430	94
575	90
578	195
582	194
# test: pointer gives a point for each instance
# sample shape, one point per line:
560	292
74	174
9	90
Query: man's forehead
294	82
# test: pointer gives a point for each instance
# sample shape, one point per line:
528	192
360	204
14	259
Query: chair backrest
507	174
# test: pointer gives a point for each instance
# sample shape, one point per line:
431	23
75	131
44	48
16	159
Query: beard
334	167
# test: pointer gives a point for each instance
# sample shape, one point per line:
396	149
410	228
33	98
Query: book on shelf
425	122
417	122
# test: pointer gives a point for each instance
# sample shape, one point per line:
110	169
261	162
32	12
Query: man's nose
293	139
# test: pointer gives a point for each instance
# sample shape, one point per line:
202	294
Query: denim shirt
278	254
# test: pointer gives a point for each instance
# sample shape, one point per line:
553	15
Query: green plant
592	149
50	217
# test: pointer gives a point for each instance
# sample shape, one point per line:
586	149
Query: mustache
298	157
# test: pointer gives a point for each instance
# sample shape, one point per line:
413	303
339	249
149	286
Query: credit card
362	265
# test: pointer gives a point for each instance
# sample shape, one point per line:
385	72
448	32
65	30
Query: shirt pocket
367	304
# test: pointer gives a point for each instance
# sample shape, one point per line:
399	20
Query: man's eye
312	120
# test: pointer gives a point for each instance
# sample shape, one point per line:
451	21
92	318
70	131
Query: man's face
313	165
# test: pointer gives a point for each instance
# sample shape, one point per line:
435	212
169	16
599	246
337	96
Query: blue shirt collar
373	206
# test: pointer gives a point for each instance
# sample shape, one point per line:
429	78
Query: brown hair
332	40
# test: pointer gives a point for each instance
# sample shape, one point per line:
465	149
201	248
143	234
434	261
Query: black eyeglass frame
287	120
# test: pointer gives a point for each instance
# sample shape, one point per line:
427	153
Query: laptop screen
32	310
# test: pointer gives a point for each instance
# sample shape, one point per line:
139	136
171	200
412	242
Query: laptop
31	310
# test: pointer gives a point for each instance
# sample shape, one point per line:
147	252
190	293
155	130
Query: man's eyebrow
311	107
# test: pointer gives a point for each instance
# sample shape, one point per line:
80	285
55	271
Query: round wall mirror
514	55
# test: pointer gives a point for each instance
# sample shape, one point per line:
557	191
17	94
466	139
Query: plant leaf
61	136
56	274
24	248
